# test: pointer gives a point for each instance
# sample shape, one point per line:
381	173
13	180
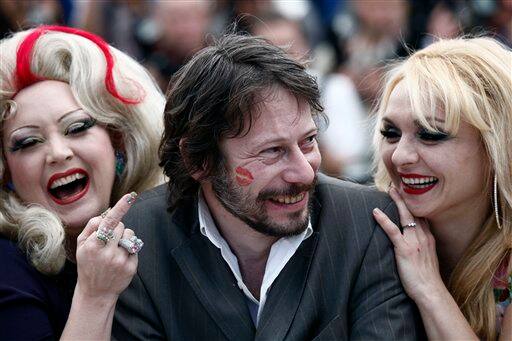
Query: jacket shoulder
339	191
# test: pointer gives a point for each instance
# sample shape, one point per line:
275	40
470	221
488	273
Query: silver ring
132	245
104	234
104	214
413	224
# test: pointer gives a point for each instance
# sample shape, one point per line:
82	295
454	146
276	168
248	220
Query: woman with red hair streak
79	127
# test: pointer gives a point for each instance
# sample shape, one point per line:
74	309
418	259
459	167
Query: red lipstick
416	191
74	197
410	189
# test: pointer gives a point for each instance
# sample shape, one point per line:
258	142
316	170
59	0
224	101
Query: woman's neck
454	233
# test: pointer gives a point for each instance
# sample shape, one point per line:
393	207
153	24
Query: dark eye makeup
390	132
24	143
74	128
434	136
80	126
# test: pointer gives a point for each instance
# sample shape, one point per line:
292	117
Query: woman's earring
495	202
120	162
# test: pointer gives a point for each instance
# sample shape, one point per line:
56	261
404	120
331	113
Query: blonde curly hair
80	62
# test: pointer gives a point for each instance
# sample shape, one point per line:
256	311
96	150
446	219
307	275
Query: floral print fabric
502	284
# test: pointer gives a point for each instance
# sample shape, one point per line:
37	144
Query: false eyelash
23	143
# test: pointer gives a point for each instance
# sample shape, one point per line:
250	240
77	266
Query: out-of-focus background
347	43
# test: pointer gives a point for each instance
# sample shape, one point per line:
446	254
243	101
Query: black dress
32	306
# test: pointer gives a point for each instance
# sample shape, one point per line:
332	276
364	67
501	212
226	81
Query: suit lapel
212	281
286	293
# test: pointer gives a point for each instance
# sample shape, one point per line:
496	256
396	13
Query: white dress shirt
280	253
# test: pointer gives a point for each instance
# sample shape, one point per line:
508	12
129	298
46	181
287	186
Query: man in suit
247	241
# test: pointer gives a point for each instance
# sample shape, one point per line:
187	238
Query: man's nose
301	167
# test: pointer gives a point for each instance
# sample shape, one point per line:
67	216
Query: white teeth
429	180
288	199
66	180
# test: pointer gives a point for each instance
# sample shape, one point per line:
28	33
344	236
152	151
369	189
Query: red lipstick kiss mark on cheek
243	176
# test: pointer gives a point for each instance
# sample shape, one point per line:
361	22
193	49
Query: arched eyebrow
416	121
66	114
430	120
32	126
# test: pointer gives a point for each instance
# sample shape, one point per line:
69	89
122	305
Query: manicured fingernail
132	197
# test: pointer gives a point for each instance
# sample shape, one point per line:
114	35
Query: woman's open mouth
68	187
417	184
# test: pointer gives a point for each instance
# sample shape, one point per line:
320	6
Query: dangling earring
10	186
120	162
496	204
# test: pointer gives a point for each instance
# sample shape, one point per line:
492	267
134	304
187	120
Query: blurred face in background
284	33
382	18
183	25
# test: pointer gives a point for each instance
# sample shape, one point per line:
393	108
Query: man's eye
272	151
310	139
24	143
390	134
80	126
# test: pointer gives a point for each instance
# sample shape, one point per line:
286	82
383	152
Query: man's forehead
263	136
279	106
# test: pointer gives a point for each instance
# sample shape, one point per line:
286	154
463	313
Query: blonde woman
79	124
444	152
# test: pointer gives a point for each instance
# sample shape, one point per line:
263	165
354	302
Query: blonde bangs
470	80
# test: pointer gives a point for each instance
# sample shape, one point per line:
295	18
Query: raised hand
415	250
104	268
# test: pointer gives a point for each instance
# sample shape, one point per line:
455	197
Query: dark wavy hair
214	96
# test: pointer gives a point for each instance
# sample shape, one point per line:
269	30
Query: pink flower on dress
499	280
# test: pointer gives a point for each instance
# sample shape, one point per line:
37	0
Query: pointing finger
114	215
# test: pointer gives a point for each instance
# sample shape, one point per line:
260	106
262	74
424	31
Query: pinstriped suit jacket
341	284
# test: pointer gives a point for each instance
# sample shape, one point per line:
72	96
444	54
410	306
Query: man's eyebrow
281	139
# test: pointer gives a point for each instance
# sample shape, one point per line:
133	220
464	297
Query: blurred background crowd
347	44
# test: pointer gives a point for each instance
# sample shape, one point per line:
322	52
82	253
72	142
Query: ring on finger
132	245
104	214
104	234
413	224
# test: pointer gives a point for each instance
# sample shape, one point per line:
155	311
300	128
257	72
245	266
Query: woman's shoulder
13	258
17	274
28	298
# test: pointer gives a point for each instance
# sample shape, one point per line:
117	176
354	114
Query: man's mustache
291	190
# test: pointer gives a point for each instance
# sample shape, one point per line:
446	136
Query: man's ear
197	174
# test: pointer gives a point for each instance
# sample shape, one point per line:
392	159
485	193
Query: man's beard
252	210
